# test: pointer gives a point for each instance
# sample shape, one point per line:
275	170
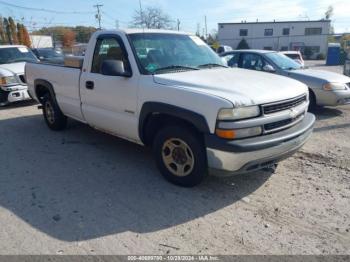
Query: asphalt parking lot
84	192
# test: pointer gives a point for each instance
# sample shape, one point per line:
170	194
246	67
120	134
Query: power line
45	10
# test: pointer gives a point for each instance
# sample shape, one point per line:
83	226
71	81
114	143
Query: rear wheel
180	155
53	115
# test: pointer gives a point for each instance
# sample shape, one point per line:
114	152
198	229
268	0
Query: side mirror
114	68
269	69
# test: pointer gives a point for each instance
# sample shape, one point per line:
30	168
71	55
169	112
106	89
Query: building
309	36
41	41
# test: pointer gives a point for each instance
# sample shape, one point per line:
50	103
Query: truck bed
64	80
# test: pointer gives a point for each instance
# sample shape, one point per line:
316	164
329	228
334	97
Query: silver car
326	88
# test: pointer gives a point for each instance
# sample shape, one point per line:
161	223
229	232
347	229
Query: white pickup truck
13	85
169	90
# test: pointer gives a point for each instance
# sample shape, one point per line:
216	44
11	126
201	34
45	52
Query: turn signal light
226	134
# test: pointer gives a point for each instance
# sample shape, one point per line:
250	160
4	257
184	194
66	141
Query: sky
189	12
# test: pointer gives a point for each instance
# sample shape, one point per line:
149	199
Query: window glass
283	61
232	60
313	31
286	31
160	53
108	49
268	32
253	62
16	55
243	32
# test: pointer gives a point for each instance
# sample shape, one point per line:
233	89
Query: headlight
239	133
8	80
334	86
239	113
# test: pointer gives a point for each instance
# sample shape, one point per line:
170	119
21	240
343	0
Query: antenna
98	15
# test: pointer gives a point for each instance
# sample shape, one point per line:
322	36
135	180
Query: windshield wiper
210	65
175	67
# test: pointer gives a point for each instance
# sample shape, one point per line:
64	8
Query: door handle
89	85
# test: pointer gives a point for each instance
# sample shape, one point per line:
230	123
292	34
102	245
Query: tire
313	102
271	169
53	115
180	156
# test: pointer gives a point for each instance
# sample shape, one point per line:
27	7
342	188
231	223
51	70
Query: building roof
277	22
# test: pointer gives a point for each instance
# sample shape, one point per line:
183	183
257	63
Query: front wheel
180	155
53	115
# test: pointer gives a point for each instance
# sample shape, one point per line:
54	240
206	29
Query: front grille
23	79
285	105
280	125
277	125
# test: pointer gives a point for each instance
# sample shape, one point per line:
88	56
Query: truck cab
170	91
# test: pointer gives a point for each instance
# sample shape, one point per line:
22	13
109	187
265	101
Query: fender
151	108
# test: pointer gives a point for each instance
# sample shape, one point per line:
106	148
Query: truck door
109	102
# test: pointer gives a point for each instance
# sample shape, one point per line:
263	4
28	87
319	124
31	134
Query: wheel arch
154	115
42	87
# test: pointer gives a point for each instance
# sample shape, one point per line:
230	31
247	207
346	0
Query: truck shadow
81	184
19	104
324	113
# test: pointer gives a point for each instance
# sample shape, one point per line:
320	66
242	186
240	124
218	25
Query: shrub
321	56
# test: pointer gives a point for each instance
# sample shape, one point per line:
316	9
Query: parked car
49	55
13	85
326	88
223	49
180	99
296	56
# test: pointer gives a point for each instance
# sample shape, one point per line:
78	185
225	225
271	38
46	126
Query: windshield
162	53
47	53
15	55
283	61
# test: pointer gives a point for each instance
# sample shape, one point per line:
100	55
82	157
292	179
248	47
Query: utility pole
206	28
141	14
178	24
117	24
98	15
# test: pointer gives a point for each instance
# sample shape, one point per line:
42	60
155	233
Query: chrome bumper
333	98
15	94
248	155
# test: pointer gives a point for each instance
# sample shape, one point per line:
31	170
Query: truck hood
12	69
241	87
304	74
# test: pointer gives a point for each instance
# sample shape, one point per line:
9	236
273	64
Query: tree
2	31
83	33
20	34
13	30
8	31
329	13
68	38
243	45
26	38
152	18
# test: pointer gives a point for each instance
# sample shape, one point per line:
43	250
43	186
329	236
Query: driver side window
108	49
253	62
232	60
